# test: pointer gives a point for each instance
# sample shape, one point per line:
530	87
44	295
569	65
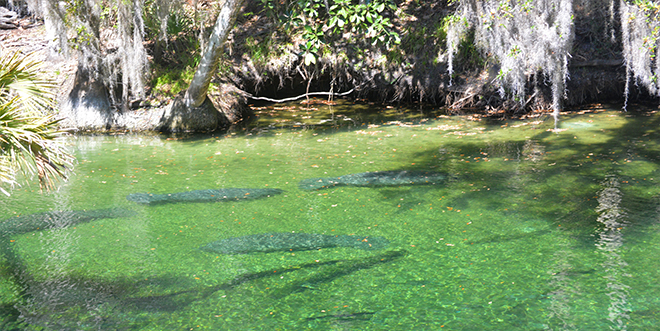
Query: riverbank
88	110
261	60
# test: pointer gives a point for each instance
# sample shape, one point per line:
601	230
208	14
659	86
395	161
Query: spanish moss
640	26
526	38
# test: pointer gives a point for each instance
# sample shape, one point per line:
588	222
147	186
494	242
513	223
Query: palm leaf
28	135
21	76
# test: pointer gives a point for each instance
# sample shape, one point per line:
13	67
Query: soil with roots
418	73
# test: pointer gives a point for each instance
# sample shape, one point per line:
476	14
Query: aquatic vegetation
531	231
210	195
273	242
376	178
332	271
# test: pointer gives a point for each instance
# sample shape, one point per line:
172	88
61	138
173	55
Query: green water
531	230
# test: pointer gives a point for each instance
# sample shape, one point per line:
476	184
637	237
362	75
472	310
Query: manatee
227	194
376	178
273	242
57	219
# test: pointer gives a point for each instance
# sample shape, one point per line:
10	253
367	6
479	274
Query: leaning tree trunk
194	111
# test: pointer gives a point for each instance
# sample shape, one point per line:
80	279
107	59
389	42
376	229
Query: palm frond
28	135
20	76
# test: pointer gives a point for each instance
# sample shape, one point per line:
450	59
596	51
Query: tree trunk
194	111
196	93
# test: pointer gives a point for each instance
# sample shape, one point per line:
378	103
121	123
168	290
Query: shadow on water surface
324	272
323	119
181	299
545	166
336	270
58	219
69	302
595	194
547	157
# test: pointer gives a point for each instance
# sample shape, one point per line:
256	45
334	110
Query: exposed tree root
300	96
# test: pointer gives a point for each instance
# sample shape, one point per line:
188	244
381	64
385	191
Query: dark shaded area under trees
134	58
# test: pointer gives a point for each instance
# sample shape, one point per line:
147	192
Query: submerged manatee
272	242
57	219
203	195
377	178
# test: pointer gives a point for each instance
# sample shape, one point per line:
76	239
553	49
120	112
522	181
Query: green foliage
646	5
324	22
27	134
366	18
259	50
525	37
423	40
468	55
314	39
174	75
174	67
640	25
180	27
170	81
651	12
179	22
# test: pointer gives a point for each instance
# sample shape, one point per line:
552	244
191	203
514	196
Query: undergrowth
169	81
176	53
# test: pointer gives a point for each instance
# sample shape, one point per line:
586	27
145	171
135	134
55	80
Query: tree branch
299	97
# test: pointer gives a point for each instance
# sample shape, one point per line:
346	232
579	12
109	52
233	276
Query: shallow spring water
530	229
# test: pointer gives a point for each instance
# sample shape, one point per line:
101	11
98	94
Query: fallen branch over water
300	96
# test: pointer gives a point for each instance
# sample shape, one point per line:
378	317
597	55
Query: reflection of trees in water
533	151
48	294
44	298
529	150
610	242
524	157
85	145
565	287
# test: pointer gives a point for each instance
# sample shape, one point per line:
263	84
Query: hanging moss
108	41
511	55
640	28
524	37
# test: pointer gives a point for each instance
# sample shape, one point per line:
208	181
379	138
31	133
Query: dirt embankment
415	71
86	109
262	60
